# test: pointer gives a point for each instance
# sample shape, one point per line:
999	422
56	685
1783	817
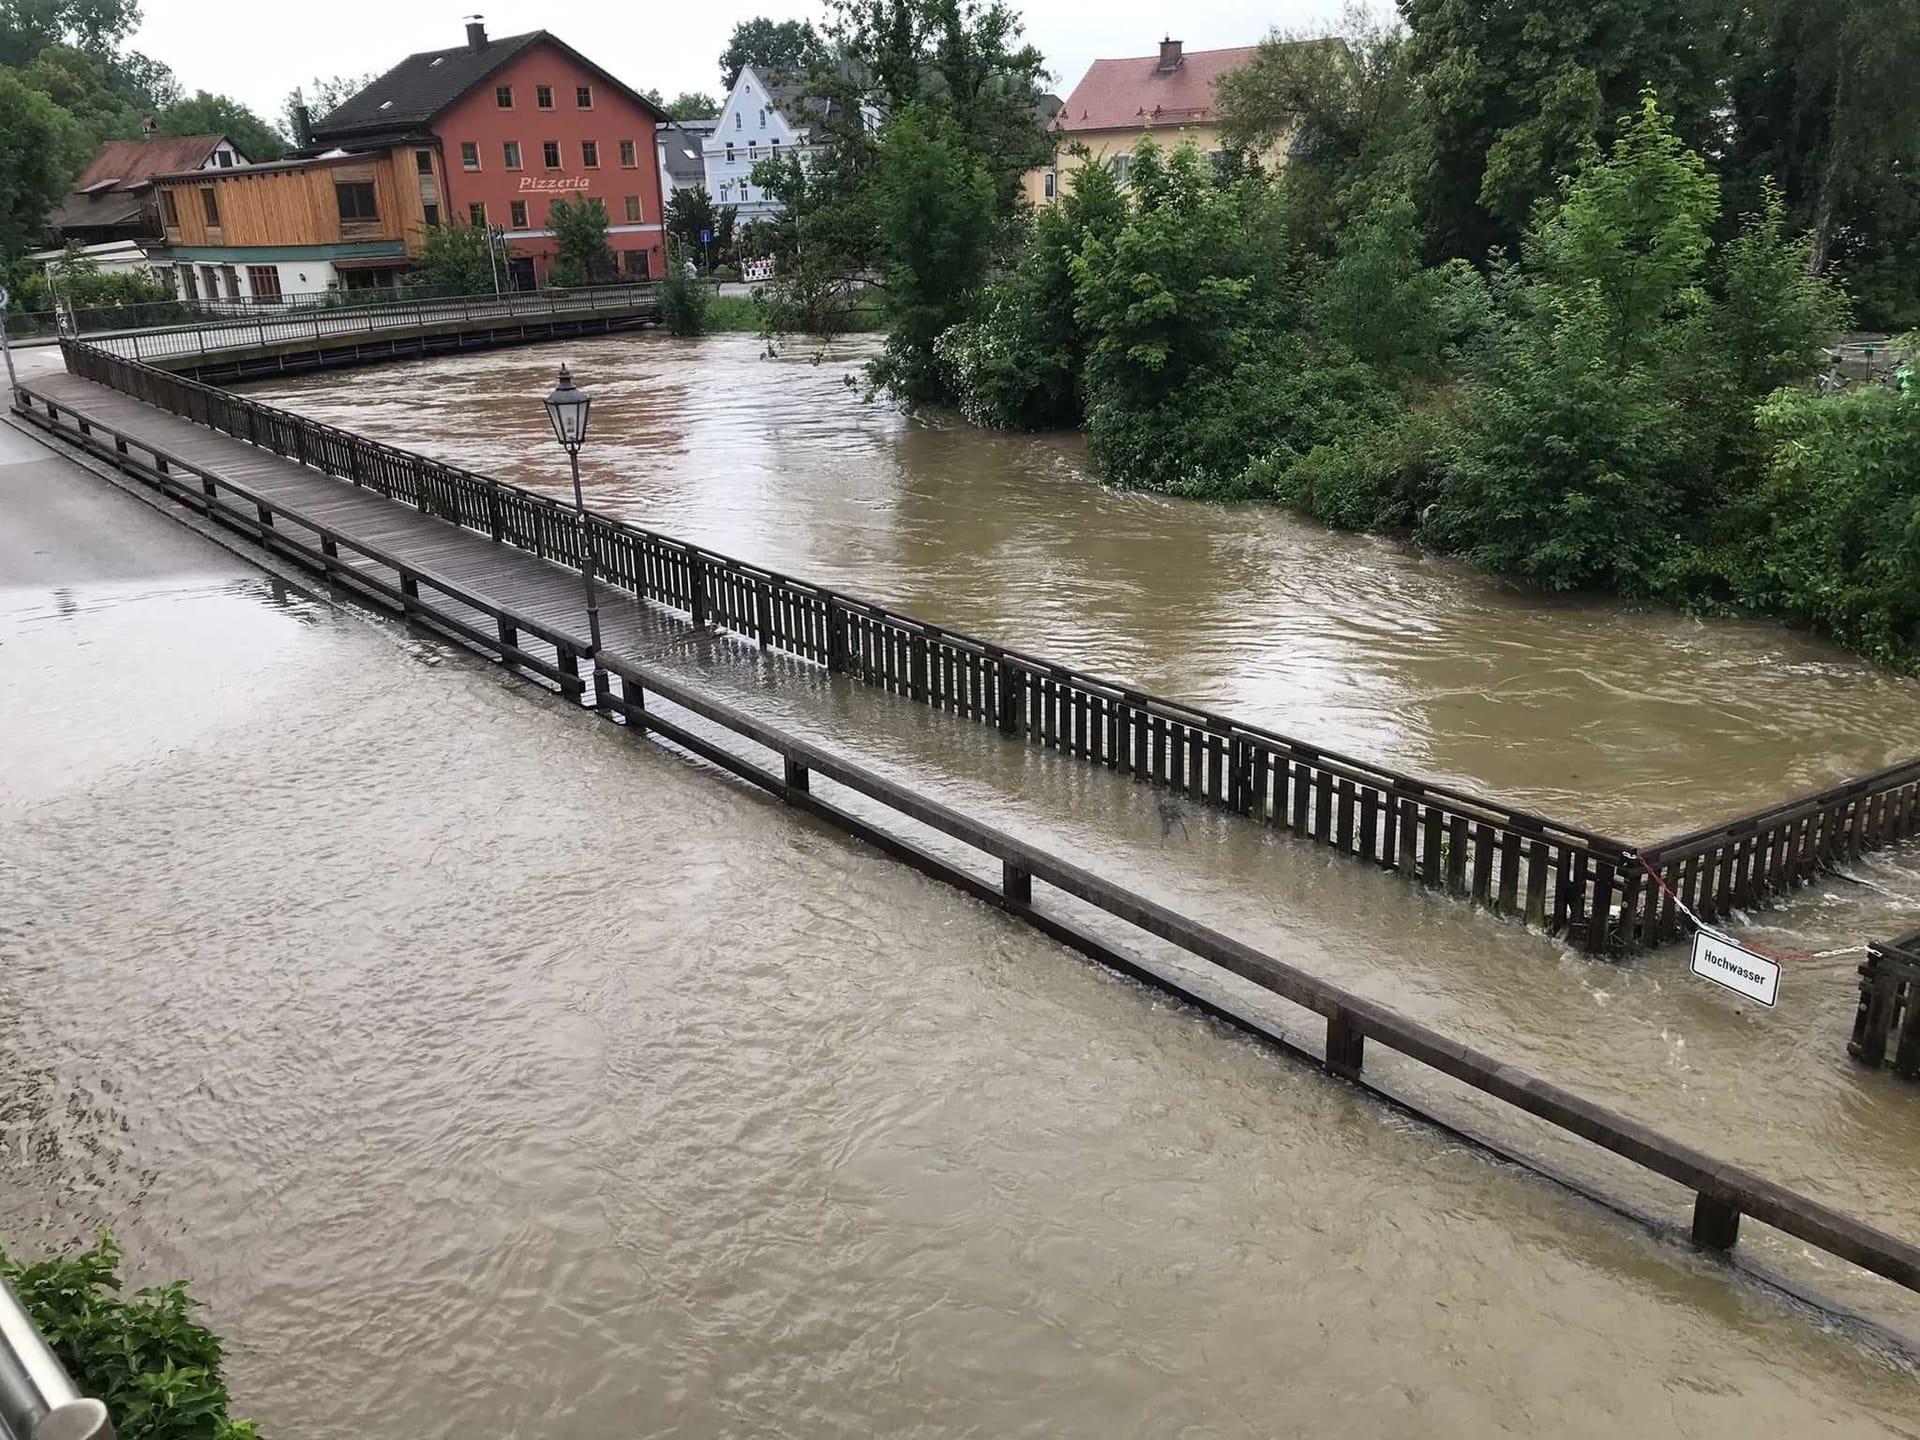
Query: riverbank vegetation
155	1367
1548	293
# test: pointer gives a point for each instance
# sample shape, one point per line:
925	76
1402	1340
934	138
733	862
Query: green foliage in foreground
684	301
154	1366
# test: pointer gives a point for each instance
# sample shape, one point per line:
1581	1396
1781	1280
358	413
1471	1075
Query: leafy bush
1018	366
725	274
155	1368
683	299
1833	534
1382	477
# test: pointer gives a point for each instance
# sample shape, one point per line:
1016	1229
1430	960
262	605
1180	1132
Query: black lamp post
567	408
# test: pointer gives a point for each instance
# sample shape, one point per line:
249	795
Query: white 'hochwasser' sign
1727	963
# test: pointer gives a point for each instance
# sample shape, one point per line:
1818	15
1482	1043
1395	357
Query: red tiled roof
132	162
1130	94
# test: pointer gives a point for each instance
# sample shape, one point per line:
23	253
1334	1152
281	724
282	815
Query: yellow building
1169	96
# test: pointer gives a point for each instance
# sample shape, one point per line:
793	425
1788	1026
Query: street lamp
567	408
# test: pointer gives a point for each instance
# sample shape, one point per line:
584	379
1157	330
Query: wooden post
1346	1046
602	691
762	611
509	639
1716	1224
796	774
1013	696
1016	884
697	585
836	636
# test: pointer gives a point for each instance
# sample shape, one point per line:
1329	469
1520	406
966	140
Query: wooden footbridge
495	567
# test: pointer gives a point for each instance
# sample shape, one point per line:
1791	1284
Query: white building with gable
757	123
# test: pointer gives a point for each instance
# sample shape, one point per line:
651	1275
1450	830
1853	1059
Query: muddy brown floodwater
491	1074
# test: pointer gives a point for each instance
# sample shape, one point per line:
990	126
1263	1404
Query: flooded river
491	1074
1637	722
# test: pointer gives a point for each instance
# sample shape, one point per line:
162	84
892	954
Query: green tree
683	300
580	236
1520	94
1823	103
1018	366
1347	111
689	212
1578	465
456	259
27	27
772	47
321	95
687	105
1834	530
40	146
208	114
934	213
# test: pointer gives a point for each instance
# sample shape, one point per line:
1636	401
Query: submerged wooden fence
621	691
1889	1013
1602	894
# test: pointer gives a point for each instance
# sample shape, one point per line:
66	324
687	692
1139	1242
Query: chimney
1169	56
476	33
302	122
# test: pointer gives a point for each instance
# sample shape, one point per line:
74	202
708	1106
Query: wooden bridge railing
1567	879
620	691
1889	1013
1744	862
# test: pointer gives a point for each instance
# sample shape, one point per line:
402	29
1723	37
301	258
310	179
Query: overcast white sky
671	44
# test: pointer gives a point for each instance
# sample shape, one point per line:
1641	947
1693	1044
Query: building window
1049	184
232	278
356	201
519	213
225	159
210	278
775	142
1122	168
550	153
753	150
626	154
738	120
729	152
432	214
590	154
503	96
512	151
633	208
543	96
264	281
210	205
477	213
189	286
583	96
469	155
169	211
636	262
423	161
763	117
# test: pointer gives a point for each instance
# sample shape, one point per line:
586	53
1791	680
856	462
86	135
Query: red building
519	123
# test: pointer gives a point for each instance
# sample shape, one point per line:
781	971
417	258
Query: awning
373	262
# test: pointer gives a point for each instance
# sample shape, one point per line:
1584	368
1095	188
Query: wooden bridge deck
514	579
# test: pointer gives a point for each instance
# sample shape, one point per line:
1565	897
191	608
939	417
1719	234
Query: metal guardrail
175	341
37	1400
620	691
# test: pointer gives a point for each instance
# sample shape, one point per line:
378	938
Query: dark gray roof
404	99
680	148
